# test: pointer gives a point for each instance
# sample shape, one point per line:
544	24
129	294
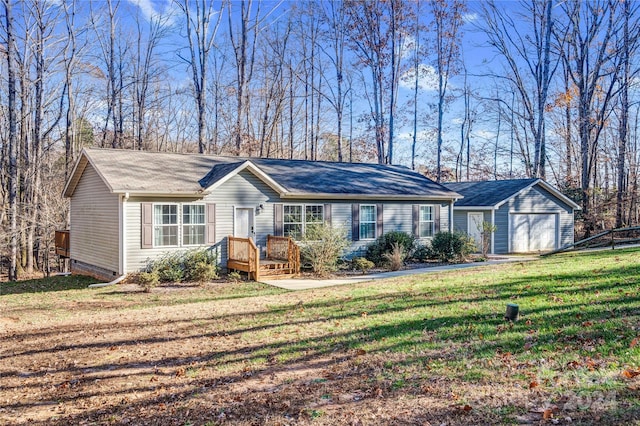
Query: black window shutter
415	220
380	220
355	222
436	217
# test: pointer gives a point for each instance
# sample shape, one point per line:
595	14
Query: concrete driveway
306	284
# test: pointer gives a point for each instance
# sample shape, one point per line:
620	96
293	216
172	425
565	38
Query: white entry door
243	223
474	227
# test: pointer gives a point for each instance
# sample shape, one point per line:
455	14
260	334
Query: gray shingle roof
168	173
487	193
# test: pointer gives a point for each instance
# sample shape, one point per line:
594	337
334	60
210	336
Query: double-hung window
165	224
193	224
292	221
298	218
426	221
367	222
178	225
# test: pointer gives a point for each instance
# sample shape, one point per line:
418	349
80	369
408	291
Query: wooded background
456	90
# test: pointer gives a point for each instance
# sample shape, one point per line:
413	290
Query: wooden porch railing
282	257
243	255
62	243
284	248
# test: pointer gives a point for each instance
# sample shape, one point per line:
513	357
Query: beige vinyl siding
137	257
248	191
94	229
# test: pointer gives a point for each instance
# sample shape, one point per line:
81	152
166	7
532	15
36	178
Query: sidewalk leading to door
306	284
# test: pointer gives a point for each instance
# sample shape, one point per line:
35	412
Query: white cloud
427	78
157	9
146	7
470	18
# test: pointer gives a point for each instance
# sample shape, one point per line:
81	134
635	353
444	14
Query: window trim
361	222
303	213
203	224
422	222
179	224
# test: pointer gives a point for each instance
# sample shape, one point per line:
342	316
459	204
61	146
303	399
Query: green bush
148	280
384	244
192	266
200	265
447	246
321	247
422	253
362	264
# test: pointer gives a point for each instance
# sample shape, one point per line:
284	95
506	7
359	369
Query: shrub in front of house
384	244
321	247
395	258
362	264
192	266
148	280
422	253
448	246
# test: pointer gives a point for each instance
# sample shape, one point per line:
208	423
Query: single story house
530	215
127	207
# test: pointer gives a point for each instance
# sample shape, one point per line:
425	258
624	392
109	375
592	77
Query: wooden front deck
282	260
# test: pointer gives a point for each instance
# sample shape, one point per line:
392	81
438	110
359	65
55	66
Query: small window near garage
165	225
426	221
292	221
193	224
367	222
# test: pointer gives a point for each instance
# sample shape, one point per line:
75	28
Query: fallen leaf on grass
361	352
533	384
547	414
630	374
634	342
467	408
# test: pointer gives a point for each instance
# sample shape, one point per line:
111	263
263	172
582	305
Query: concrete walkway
306	284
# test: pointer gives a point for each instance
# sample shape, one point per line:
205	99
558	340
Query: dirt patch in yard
187	355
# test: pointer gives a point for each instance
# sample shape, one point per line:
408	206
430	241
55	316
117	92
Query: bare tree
590	58
524	42
201	34
335	34
447	17
145	72
12	118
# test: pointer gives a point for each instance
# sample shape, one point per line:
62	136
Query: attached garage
530	215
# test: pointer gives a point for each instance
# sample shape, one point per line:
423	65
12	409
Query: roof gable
143	172
494	193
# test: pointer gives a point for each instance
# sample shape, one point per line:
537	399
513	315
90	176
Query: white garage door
533	232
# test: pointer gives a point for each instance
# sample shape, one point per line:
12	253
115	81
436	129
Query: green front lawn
424	348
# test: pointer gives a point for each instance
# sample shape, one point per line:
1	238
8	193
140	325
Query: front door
243	224
474	228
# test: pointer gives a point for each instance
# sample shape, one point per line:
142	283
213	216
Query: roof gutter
326	196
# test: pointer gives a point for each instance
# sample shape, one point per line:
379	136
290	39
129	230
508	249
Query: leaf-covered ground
426	349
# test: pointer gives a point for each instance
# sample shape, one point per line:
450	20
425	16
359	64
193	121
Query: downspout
493	234
451	215
122	261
